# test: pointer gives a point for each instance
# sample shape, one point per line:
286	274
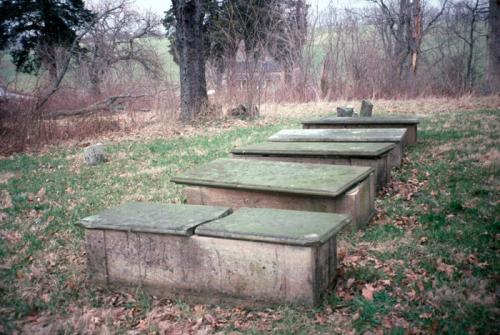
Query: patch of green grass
454	209
365	274
371	312
382	233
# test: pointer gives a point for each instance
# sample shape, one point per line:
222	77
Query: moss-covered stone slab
295	178
395	135
389	120
375	155
252	183
410	123
155	218
276	226
327	149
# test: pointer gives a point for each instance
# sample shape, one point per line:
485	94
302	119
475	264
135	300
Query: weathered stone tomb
387	135
254	256
375	155
283	185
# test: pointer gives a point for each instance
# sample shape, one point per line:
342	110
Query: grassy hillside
16	81
27	82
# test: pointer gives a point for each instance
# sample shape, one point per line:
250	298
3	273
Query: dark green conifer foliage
32	30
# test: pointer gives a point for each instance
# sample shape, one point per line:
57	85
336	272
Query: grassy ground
427	263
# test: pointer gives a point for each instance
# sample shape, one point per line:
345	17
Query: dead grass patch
152	125
6	176
150	171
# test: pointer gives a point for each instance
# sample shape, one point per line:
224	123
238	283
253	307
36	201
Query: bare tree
402	28
463	22
254	26
65	62
332	81
119	38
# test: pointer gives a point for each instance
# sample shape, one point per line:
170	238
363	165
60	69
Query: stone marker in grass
210	255
265	184
362	154
345	111
332	122
94	154
357	135
366	108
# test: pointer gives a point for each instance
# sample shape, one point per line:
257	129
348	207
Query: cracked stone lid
326	149
149	217
340	135
271	176
379	120
276	226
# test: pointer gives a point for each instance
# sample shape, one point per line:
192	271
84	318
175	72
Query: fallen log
112	104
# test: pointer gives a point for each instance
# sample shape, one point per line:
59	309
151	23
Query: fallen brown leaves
164	317
445	268
406	190
367	291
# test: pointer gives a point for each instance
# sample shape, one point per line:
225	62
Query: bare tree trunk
189	30
415	40
52	73
469	74
324	83
494	46
95	81
219	75
49	61
231	76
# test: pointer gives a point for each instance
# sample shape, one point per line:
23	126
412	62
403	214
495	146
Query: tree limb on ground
110	104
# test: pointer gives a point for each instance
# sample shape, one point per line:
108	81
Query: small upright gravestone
345	111
95	154
366	108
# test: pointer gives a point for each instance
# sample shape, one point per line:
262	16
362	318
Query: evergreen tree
33	30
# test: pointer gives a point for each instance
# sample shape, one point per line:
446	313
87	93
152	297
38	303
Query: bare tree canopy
119	38
402	29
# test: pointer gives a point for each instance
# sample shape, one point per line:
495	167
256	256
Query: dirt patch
6	176
5	199
151	171
490	158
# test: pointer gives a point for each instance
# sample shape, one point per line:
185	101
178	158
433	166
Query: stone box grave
206	254
333	122
387	135
112	235
283	185
361	154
